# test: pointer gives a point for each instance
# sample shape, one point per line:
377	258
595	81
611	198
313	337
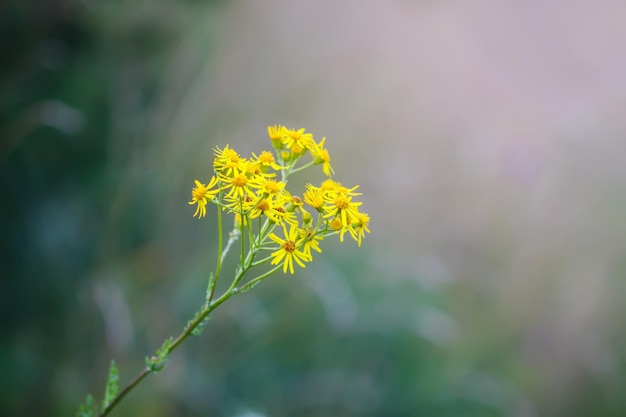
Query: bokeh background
488	140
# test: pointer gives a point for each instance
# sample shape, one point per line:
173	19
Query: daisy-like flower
277	135
338	226
238	185
292	202
201	194
285	215
343	207
265	161
313	197
311	241
288	251
271	210
240	205
359	226
226	160
268	187
298	141
330	188
321	156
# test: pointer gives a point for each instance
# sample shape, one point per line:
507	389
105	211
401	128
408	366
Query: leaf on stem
158	362
89	408
245	288
113	385
209	289
200	327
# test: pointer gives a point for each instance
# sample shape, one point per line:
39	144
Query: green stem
254	281
220	256
128	388
305	166
261	261
234	235
184	335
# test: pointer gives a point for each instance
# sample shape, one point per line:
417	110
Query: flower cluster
255	190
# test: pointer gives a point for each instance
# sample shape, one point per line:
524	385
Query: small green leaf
209	288
200	327
158	362
113	385
89	408
193	320
245	288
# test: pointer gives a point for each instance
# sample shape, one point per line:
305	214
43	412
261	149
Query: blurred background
488	140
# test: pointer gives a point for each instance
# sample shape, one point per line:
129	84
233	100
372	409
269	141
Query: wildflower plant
275	229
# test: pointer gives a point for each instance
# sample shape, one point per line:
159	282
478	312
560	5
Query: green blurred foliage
73	74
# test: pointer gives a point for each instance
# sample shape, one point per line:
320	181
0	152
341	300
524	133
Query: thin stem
188	330
305	166
128	388
233	237
220	256
254	281
243	233
260	261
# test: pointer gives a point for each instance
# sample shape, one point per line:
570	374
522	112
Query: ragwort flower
289	249
201	194
321	156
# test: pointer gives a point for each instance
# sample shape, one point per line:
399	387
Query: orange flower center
198	193
342	203
272	187
336	224
289	246
240	180
263	205
266	158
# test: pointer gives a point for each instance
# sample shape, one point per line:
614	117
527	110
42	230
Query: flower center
266	158
272	187
289	246
263	205
342	203
198	193
240	180
231	155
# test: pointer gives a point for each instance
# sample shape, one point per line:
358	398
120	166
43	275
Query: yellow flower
288	250
286	216
330	188
273	211
321	156
343	207
268	187
238	185
277	135
292	202
239	205
311	241
335	224
201	194
265	161
338	226
313	197
298	141
359	227
226	160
